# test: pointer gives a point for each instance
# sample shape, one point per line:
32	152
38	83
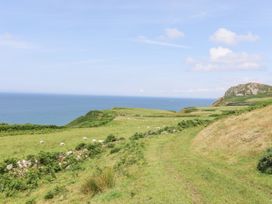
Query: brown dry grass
247	134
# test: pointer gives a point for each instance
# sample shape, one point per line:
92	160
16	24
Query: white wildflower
94	140
62	144
84	138
100	141
41	142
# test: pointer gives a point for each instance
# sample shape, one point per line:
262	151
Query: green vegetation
265	163
15	129
140	156
93	119
101	180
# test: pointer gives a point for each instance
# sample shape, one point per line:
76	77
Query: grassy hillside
93	119
247	134
146	156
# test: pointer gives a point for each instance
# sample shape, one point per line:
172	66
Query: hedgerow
19	175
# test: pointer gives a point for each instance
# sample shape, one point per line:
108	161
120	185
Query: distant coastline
59	109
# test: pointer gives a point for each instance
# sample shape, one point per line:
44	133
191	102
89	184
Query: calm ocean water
60	109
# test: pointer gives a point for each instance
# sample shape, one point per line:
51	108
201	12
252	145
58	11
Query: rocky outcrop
232	95
248	89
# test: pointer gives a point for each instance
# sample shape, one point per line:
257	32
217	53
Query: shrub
94	149
110	138
132	153
265	163
101	180
55	192
115	150
81	146
137	136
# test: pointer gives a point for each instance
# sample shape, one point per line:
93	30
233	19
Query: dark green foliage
16	129
193	123
94	149
81	146
93	119
137	136
110	138
265	163
115	150
58	190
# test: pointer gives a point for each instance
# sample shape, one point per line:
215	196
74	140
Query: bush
115	150
137	136
101	180
192	123
132	153
94	149
81	146
265	163
55	192
110	138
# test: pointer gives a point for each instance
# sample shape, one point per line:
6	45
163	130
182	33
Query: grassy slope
247	134
175	172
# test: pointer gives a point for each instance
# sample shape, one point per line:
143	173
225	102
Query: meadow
140	156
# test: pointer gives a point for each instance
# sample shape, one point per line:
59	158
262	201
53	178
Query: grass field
174	169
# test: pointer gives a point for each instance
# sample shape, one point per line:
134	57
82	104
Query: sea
61	109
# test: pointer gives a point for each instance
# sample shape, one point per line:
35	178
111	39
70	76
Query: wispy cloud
10	41
168	38
143	39
225	36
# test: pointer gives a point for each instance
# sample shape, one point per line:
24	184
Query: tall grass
100	181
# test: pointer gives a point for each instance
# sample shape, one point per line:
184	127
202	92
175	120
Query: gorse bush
101	180
265	163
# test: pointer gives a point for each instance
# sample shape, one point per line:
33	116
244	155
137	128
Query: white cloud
8	40
223	35
173	33
219	52
168	38
224	59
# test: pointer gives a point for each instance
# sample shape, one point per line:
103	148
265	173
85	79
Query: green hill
128	155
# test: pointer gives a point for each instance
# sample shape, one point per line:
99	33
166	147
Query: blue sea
61	109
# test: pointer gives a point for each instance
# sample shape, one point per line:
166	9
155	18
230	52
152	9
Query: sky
165	48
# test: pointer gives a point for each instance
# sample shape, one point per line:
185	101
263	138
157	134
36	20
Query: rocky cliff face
232	95
249	89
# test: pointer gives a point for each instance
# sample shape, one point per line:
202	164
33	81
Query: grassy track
176	174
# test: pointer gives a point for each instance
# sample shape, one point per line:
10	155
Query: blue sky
170	48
